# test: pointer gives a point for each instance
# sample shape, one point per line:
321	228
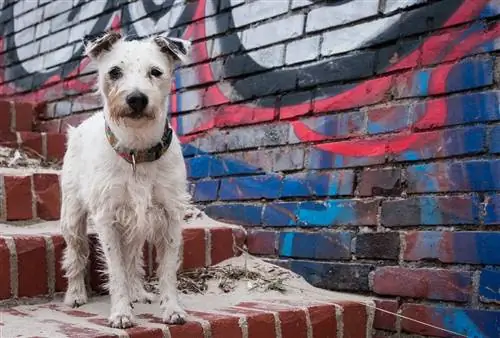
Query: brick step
29	194
18	116
30	257
50	146
301	312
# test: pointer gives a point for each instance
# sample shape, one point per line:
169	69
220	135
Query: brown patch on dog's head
103	44
176	49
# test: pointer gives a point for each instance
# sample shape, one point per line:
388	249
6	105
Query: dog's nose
137	101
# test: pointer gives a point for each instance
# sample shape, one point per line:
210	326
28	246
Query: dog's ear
96	48
174	47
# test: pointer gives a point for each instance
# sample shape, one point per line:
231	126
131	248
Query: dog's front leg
111	239
167	248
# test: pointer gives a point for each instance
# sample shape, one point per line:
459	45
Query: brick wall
358	140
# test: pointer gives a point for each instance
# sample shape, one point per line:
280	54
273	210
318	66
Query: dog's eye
115	73
156	72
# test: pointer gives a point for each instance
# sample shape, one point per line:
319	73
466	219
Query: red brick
355	319
97	264
56	146
50	126
323	321
31	266
5	116
260	325
261	242
31	141
144	332
293	324
4	270
423	314
221	326
8	139
60	281
239	237
188	330
47	196
194	248
18	197
438	284
24	116
222	244
384	320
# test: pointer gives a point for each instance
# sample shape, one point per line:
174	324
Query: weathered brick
253	12
18	197
431	210
236	65
468	74
312	183
467	176
436	284
347	39
225	165
262	242
392	5
250	187
5	291
302	50
341	68
324	156
489	284
206	190
321	245
194	248
492	208
453	247
263	135
327	127
383	245
479	322
384	320
494	140
385	182
274	31
459	109
445	143
331	16
334	276
31	266
323	321
327	213
222	244
244	214
47	196
388	118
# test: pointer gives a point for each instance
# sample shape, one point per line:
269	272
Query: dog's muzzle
137	102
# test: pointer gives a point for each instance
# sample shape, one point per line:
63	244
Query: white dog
124	171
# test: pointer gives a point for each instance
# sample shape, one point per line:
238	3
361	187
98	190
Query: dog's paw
173	314
121	321
75	299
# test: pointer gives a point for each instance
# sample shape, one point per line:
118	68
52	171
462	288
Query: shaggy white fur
126	207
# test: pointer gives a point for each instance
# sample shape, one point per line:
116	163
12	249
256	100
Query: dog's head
135	76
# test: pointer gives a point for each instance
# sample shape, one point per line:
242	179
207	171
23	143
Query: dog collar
134	156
